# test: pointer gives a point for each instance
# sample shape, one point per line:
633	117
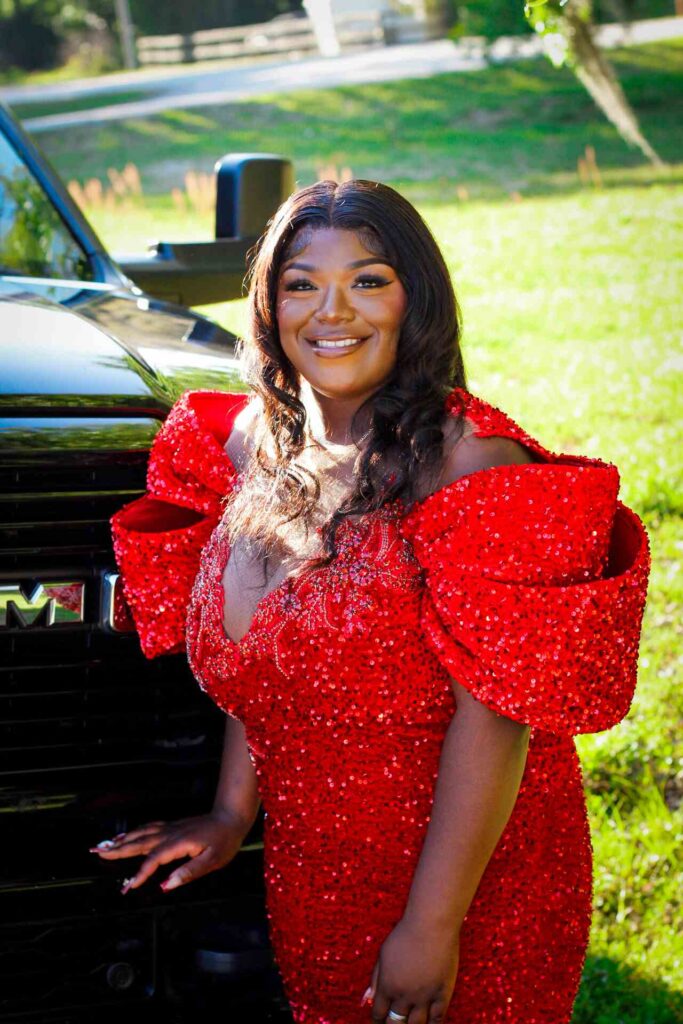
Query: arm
481	766
237	794
209	840
480	771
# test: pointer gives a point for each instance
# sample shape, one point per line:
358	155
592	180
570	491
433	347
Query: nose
334	307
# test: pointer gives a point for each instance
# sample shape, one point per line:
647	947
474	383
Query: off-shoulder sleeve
158	538
536	579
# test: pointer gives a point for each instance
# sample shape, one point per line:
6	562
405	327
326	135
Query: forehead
333	244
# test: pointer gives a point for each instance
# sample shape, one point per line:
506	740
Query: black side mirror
249	189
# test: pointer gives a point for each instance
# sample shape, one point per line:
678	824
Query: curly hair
406	414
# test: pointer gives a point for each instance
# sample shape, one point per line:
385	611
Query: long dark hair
406	414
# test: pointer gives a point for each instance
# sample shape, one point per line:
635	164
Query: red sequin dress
526	583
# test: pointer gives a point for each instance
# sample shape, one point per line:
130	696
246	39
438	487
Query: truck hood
112	353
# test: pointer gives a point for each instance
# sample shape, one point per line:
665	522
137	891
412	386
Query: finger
381	1003
401	1007
374	980
437	1012
147	825
200	865
163	854
136	848
371	990
106	845
419	1014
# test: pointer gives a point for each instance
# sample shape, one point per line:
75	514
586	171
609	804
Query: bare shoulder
467	453
238	445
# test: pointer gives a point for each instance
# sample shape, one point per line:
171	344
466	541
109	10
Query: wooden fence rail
273	37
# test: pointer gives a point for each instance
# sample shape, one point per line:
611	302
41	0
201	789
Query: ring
392	1015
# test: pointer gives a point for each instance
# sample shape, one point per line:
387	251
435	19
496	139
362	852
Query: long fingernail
127	883
106	844
170	883
366	996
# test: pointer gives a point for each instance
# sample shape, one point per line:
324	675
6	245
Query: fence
292	36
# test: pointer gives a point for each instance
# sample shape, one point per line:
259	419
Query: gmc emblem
47	604
36	605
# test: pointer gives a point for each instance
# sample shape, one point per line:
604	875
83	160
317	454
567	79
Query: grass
519	127
44	108
74	68
570	299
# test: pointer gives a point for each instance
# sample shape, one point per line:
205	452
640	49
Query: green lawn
517	127
44	108
570	298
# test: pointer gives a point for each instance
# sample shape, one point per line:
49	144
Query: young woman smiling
406	606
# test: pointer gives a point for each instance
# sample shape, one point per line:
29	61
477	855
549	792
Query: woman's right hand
209	840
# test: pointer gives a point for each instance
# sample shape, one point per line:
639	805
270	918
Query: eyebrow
309	268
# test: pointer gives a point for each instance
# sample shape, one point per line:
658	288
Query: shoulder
539	504
466	452
240	440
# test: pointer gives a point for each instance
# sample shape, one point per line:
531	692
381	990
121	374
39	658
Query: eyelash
372	279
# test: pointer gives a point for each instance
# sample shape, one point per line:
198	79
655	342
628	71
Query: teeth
341	343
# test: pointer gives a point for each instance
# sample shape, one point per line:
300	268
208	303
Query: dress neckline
477	411
290	583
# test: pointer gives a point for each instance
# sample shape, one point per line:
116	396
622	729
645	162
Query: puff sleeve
159	537
536	579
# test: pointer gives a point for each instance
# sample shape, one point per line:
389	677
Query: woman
407	608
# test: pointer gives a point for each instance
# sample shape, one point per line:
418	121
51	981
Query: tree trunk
597	75
126	34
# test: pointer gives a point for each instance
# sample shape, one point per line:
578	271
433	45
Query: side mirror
249	189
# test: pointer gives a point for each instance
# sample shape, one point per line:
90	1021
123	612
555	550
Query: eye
366	281
299	284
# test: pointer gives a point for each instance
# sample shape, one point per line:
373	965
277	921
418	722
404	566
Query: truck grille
72	696
60	481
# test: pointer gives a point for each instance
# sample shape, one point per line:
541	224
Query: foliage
27	39
32	32
35	240
493	18
179	16
488	18
547	18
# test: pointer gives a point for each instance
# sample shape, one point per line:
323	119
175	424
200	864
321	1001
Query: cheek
291	314
283	312
393	313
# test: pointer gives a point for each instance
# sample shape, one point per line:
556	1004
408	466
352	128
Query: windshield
34	240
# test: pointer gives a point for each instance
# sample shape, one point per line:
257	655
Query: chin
342	391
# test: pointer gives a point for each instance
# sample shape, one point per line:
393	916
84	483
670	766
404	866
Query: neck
330	419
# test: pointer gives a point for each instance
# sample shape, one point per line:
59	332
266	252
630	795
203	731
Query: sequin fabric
526	583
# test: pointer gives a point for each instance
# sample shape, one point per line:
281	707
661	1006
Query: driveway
204	85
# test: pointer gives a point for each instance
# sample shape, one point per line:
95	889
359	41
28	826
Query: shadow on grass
612	994
518	128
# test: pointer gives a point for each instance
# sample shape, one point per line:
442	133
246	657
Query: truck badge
41	604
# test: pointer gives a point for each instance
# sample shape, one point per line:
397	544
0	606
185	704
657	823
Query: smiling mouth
335	344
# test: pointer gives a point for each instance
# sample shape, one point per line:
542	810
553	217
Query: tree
569	30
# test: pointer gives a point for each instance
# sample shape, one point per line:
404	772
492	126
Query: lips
335	344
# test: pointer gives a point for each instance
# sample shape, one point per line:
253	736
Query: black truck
96	739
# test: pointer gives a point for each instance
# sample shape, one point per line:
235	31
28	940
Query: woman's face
339	311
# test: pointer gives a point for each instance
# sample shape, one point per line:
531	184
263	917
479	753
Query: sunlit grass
85	102
511	128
